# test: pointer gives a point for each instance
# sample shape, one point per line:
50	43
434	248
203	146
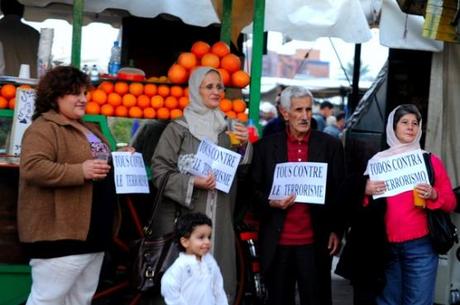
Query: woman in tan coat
66	193
185	193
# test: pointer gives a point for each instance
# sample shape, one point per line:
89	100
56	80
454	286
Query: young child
194	278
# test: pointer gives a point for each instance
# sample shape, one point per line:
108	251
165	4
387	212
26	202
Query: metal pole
354	100
77	22
226	26
256	61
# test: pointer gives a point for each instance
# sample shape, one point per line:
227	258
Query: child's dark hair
187	223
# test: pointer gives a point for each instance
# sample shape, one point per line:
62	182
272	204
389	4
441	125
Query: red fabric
404	221
297	229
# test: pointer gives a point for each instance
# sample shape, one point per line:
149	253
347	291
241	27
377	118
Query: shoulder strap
159	197
157	201
429	167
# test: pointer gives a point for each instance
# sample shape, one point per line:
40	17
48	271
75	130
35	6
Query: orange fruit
114	99
107	110
175	114
177	74
157	101
149	113
220	48
135	112
24	86
185	91
231	63
225	105
150	90
163	113
8	91
92	108
200	48
187	60
121	111
121	88
231	114
239	105
240	79
242	117
12	103
136	89
143	101
176	91
210	60
3	102
163	90
88	95
183	102
106	86
171	102
224	76
99	96
129	100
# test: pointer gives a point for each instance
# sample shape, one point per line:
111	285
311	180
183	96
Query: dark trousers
293	265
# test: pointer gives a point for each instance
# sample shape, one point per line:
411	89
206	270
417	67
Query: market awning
299	19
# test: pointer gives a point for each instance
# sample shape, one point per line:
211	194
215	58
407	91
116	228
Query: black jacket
326	218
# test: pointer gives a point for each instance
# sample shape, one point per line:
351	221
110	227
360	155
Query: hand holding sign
206	183
375	187
283	203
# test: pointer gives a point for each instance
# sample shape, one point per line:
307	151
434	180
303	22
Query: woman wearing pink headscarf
412	263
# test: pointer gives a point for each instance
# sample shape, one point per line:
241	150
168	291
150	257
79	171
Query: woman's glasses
211	87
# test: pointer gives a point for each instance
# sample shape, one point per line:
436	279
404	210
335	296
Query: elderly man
297	240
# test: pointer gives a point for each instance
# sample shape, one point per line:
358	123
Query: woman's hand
283	203
426	191
241	132
206	183
375	187
95	169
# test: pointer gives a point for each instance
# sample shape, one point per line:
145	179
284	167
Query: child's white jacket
192	282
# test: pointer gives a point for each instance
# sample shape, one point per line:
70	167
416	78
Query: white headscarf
203	122
396	147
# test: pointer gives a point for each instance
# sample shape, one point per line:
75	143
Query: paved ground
341	290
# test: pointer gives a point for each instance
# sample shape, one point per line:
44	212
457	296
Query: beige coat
54	198
176	142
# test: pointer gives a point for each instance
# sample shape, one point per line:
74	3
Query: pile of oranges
137	100
234	109
217	56
8	95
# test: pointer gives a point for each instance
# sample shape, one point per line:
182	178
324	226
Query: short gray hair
293	92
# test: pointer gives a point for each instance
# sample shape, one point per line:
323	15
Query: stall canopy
299	19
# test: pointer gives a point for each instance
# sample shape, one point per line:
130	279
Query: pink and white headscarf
396	147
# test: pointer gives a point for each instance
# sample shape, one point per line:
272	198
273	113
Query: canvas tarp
443	129
299	19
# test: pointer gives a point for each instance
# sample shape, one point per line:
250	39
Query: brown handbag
152	256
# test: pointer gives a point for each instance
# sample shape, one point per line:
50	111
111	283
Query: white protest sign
222	162
400	172
305	179
130	173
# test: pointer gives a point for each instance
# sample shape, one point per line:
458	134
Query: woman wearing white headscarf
410	271
186	193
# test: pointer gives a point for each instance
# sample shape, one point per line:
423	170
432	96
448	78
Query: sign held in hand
219	161
400	172
305	179
130	174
